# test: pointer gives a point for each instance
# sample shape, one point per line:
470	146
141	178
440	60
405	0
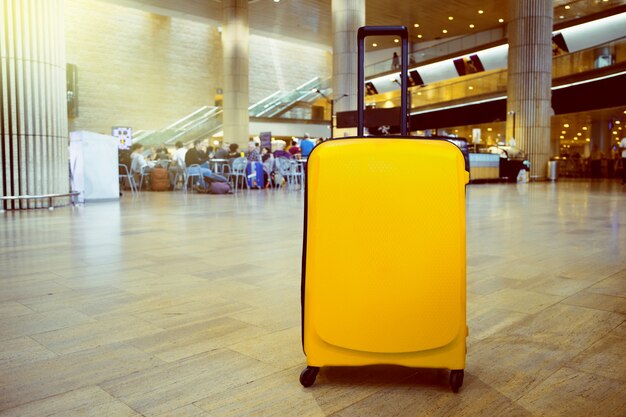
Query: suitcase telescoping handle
403	33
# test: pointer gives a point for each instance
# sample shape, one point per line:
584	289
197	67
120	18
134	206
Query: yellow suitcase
383	279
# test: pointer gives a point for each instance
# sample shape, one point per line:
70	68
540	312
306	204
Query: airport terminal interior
127	294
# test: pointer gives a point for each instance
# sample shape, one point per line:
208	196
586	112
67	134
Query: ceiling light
444	31
563	132
566	125
562	137
472	27
575	138
396	40
624	111
584	127
480	12
276	1
450	18
587	140
374	45
501	20
617	122
470	87
579	134
416	25
561	17
419	93
615	132
419	36
489	129
567	7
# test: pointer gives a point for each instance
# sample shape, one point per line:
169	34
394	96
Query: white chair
188	175
237	171
125	175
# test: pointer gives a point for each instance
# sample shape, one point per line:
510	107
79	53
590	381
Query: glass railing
575	10
207	120
492	82
281	101
588	59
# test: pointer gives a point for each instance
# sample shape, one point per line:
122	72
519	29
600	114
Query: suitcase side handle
403	33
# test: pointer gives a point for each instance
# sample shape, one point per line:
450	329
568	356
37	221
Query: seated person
222	153
253	154
138	161
294	149
233	151
176	166
280	150
196	156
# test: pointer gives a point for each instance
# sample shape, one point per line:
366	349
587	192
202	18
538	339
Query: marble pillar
235	44
529	80
347	17
33	111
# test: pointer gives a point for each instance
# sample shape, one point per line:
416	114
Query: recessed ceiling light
561	17
419	36
615	132
416	25
562	137
489	129
450	18
419	93
584	127
276	1
617	122
480	12
472	27
470	87
579	134
566	125
563	132
567	7
444	31
501	20
588	140
396	40
374	45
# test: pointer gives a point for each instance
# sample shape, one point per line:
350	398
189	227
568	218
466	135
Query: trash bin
553	170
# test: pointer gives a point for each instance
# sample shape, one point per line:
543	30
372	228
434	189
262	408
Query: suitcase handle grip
403	33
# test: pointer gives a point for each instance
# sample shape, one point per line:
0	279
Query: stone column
347	17
235	44
33	110
530	79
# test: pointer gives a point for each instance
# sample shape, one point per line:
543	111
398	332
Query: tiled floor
188	305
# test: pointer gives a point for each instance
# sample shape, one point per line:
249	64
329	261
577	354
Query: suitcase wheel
308	375
456	379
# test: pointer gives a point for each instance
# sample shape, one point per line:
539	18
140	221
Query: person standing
395	61
622	145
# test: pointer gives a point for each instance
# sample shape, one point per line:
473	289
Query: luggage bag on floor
159	179
383	278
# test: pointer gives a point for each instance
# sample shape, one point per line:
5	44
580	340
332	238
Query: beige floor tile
335	389
84	402
282	349
191	312
30	324
42	379
273	317
598	301
171	386
13	309
606	358
186	411
94	334
573	393
614	285
493	321
23	350
185	341
521	301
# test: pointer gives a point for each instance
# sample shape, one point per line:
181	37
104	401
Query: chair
142	172
288	169
188	175
238	170
124	174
